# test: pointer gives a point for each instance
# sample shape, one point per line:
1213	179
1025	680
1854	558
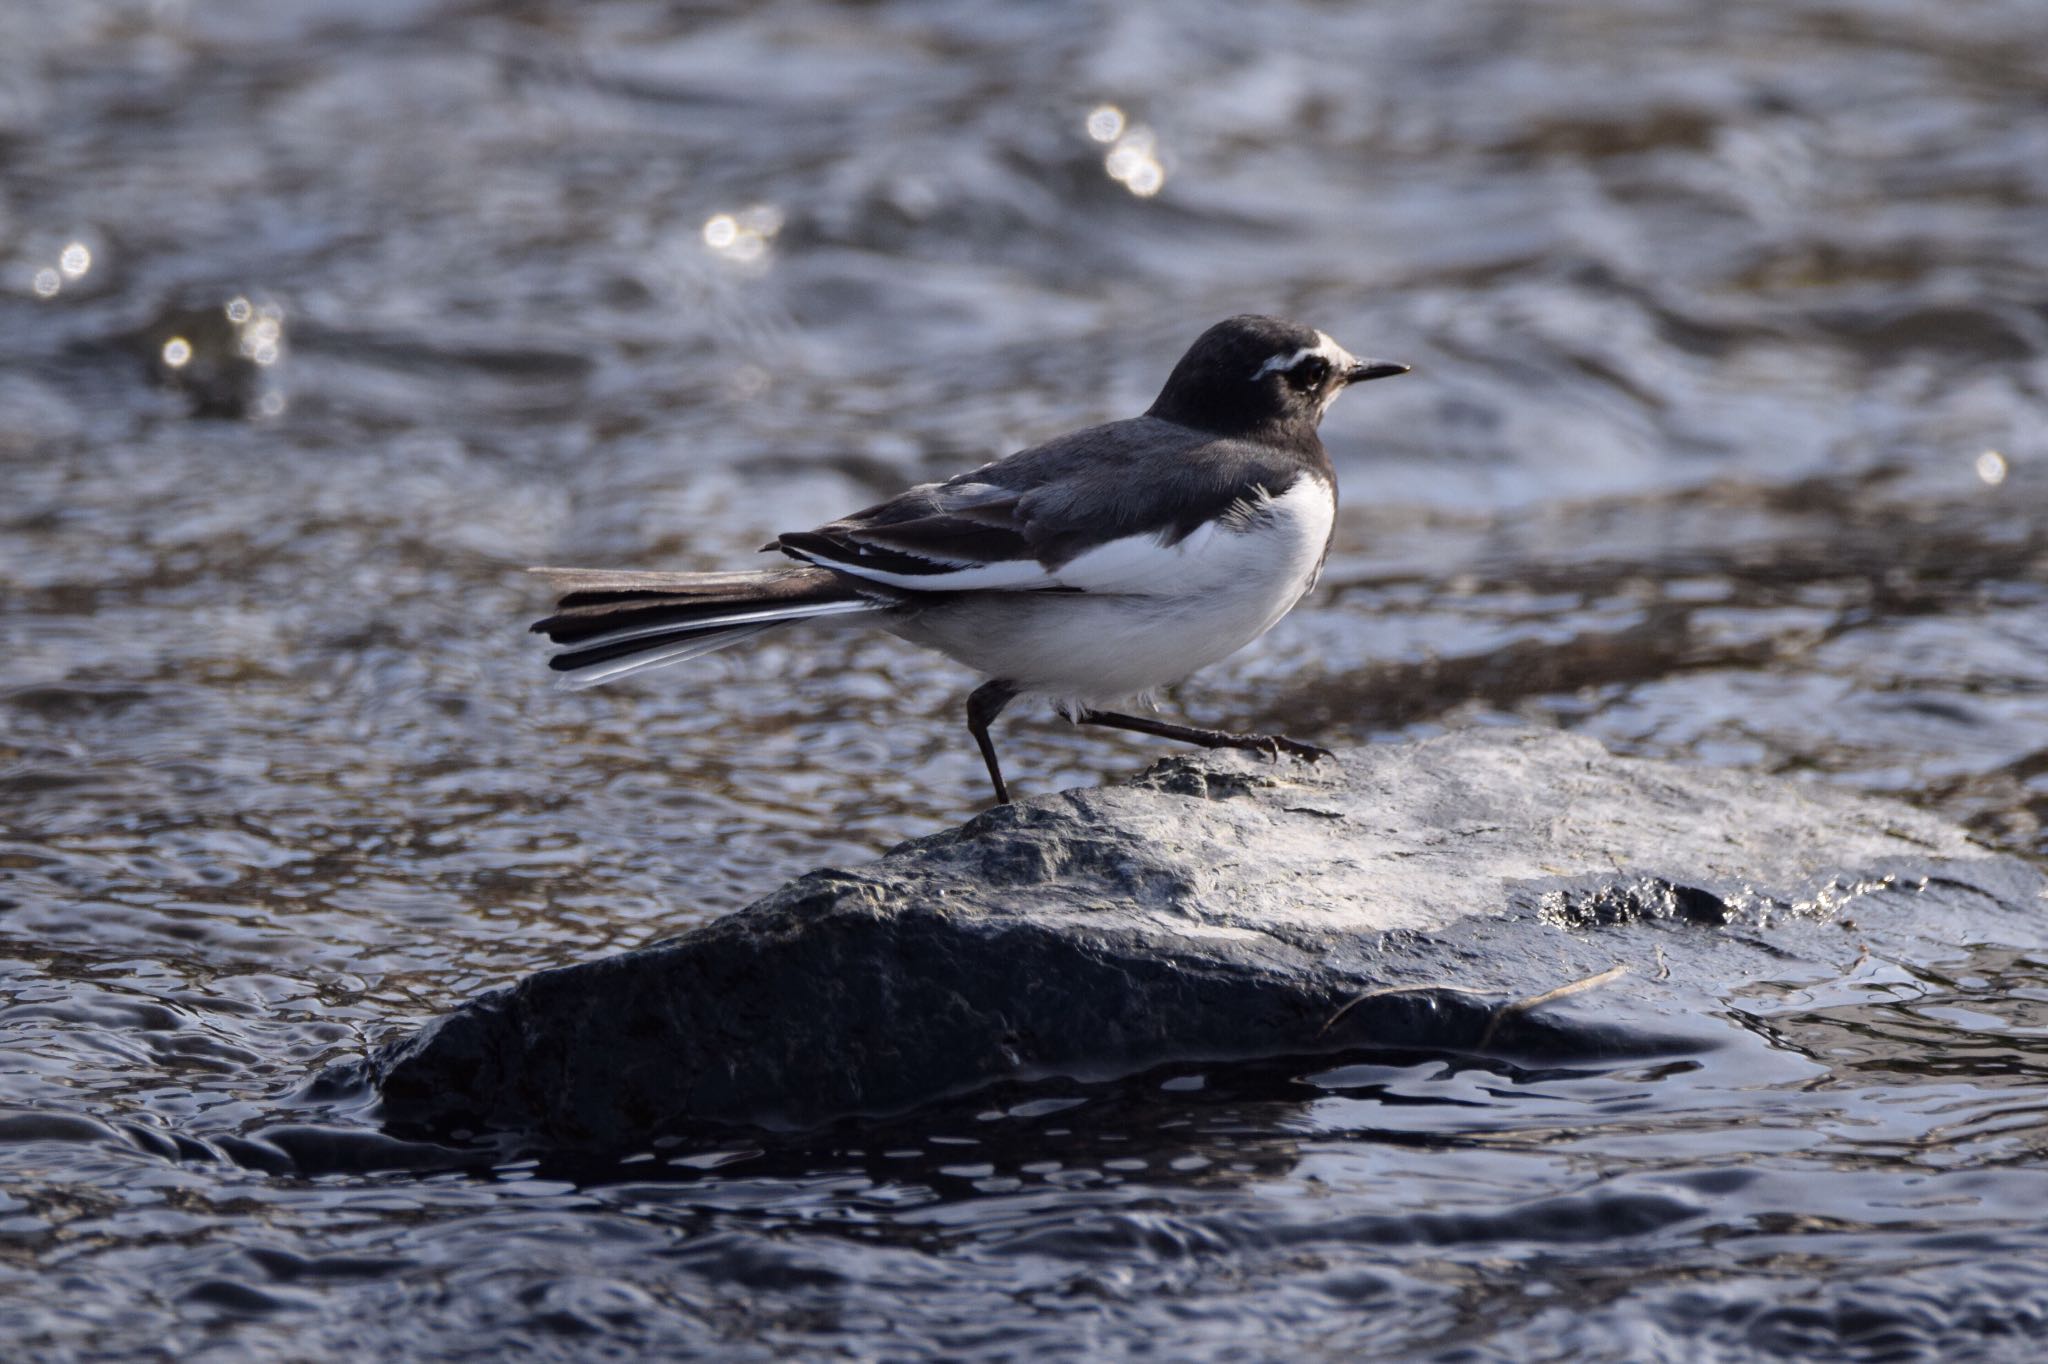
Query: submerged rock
1510	892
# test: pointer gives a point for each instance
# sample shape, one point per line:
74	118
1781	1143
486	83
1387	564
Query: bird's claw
1273	745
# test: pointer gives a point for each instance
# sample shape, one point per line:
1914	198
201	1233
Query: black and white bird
1100	566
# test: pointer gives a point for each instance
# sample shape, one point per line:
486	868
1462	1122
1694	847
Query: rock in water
1425	895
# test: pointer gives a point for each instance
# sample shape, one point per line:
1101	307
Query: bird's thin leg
984	704
1273	744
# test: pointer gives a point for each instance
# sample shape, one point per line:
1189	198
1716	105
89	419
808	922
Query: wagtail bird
1100	566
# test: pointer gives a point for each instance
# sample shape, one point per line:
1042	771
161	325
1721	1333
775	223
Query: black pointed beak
1373	369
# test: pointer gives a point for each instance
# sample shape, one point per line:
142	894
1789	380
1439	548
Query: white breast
1262	550
1147	613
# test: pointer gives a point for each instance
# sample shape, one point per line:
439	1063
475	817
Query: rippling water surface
316	323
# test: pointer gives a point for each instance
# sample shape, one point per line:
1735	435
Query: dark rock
1431	895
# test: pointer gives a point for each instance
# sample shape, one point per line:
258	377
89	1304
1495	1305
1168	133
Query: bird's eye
1310	373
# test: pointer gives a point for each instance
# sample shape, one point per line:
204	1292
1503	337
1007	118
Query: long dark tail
611	623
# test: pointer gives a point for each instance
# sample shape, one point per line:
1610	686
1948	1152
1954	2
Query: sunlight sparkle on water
1105	123
75	260
1134	163
262	329
177	352
46	283
1992	468
743	237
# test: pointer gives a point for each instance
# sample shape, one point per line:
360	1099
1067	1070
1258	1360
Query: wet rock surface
1514	893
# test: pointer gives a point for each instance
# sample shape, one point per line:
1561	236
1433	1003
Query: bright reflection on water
1105	123
1132	159
743	237
1134	162
1724	445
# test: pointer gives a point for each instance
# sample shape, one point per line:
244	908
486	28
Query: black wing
1011	524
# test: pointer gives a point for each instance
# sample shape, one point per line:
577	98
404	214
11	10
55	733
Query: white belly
1151	614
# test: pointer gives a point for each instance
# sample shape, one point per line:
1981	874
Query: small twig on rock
1522	1006
1357	1000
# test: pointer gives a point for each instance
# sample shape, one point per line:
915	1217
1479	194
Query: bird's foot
1273	745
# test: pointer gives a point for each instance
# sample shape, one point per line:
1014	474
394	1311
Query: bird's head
1252	373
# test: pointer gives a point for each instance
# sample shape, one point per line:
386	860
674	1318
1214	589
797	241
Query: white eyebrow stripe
1324	346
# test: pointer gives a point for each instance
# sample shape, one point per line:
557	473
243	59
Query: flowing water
1730	326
